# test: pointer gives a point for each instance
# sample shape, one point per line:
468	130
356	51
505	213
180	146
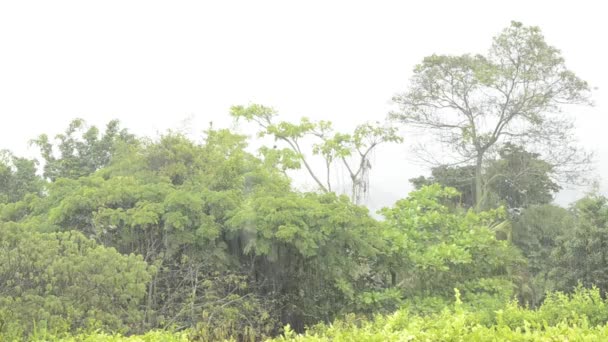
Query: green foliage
435	248
519	179
64	282
583	306
538	231
210	240
229	238
123	235
80	155
168	201
515	179
563	247
152	336
580	317
17	178
461	178
582	253
317	250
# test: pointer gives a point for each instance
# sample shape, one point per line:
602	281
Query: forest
110	236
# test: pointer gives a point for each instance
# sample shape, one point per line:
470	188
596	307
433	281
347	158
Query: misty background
157	66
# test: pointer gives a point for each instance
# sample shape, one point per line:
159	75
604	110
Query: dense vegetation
171	238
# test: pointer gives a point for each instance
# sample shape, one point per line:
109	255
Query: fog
179	66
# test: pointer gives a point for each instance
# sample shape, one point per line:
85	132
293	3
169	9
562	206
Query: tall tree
472	103
351	150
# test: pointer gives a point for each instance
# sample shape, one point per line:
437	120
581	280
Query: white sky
153	64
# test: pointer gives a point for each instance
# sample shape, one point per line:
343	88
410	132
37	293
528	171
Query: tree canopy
473	103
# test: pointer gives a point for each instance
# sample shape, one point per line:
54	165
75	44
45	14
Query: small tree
352	150
472	103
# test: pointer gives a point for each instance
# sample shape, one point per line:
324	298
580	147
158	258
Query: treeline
177	234
121	234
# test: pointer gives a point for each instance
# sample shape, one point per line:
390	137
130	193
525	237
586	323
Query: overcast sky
155	64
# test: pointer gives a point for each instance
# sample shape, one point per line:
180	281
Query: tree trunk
353	190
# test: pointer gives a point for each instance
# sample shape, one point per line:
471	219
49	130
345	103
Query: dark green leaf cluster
66	282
